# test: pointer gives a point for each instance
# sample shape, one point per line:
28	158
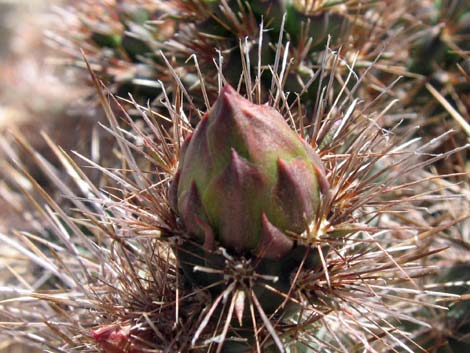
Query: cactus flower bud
114	339
246	180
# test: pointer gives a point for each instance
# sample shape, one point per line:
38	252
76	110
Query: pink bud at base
115	339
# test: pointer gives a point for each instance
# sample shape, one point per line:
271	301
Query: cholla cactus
135	275
244	165
284	223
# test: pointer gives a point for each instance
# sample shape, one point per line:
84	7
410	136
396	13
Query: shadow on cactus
261	230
